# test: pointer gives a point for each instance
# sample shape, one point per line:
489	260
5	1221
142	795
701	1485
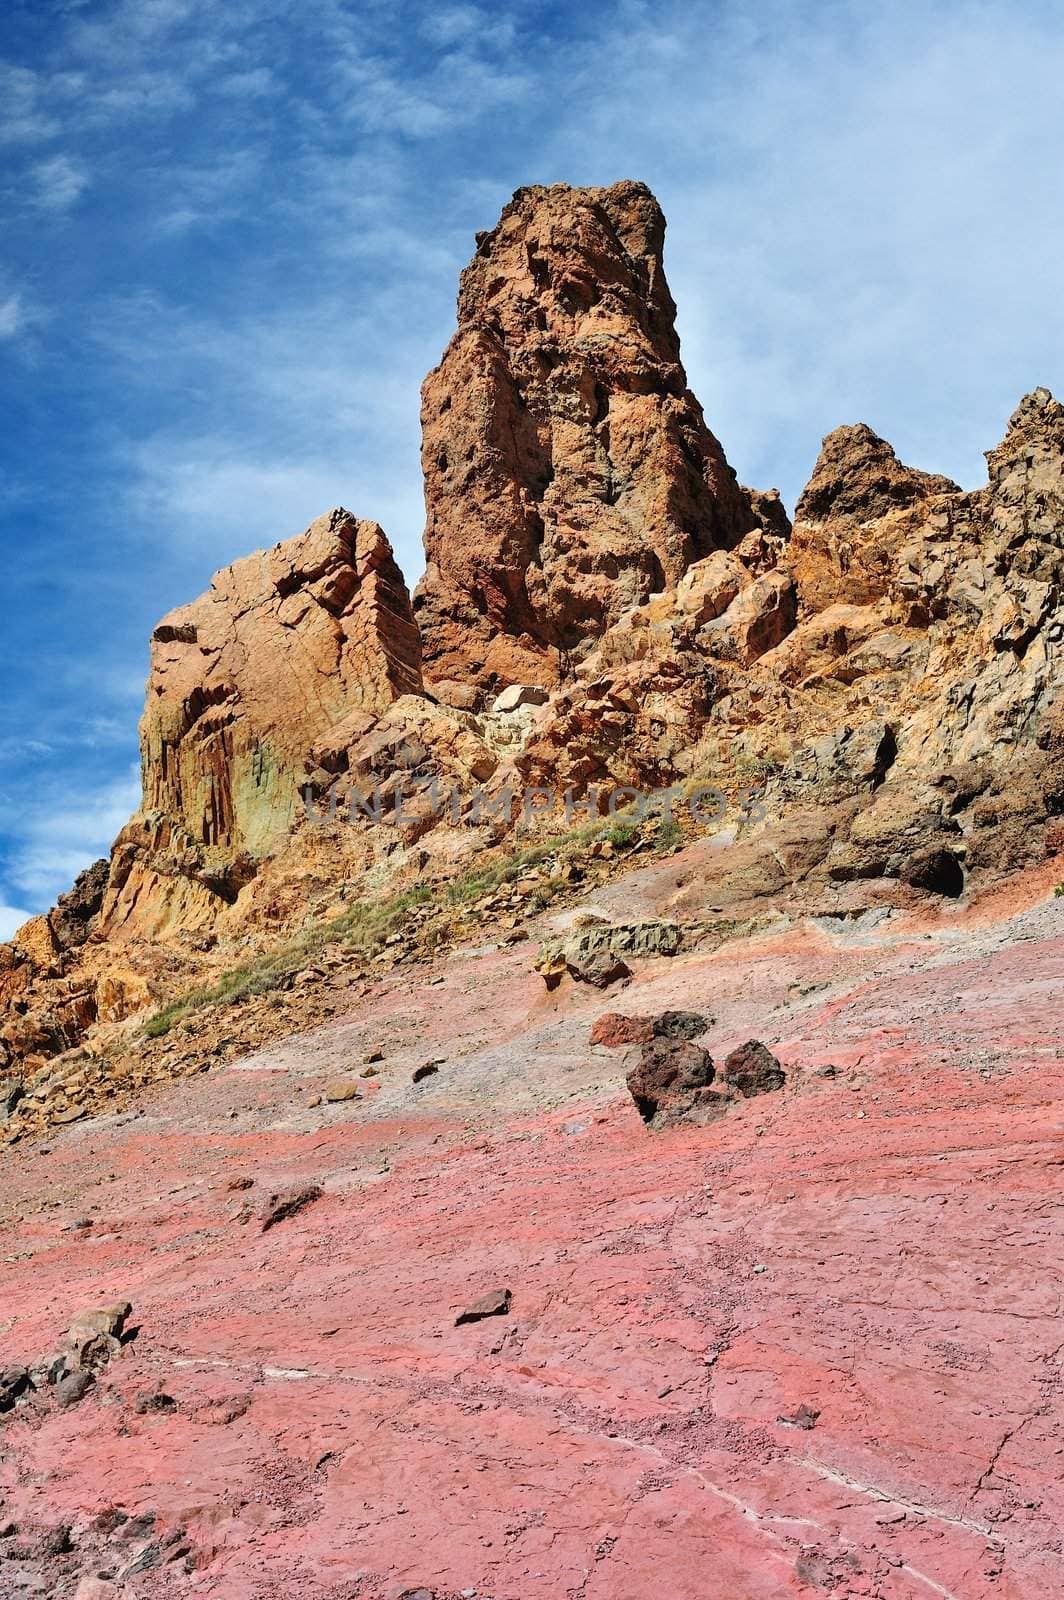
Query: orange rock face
568	470
284	645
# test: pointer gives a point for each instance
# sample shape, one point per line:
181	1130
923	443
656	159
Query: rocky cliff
569	472
886	675
310	640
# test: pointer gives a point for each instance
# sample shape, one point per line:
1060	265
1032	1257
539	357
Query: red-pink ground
882	1246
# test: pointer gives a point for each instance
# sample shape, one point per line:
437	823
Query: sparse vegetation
365	926
668	834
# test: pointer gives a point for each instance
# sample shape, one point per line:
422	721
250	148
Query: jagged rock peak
857	474
569	472
285	644
1036	410
1026	472
1035	429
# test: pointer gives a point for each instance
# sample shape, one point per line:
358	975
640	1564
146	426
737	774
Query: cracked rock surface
876	1248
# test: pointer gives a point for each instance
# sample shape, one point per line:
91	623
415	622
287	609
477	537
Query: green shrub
669	833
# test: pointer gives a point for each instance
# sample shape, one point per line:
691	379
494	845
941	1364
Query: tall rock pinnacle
568	470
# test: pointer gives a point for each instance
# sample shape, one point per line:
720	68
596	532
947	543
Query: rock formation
895	663
568	470
373	1107
307	642
886	676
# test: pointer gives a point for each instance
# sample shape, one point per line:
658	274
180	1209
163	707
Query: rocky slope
452	1200
811	1349
875	692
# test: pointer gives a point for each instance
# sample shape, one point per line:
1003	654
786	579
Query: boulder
752	1069
339	1089
594	954
670	1078
520	694
496	1303
613	1029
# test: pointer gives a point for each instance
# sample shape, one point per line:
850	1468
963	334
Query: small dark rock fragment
752	1069
286	1204
56	1542
107	1521
426	1070
496	1303
680	1025
13	1382
74	1387
146	1403
140	1526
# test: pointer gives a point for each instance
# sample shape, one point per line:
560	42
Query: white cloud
53	840
11	919
23	117
10	316
218	509
258	80
864	215
60	182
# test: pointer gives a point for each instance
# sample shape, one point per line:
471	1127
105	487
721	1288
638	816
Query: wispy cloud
60	182
11	919
10	316
24	114
57	836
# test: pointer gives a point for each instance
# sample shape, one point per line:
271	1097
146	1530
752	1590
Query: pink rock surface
881	1246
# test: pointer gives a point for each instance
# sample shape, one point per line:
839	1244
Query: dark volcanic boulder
752	1069
670	1074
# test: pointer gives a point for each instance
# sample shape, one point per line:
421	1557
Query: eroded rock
595	954
496	1303
568	470
289	1203
752	1069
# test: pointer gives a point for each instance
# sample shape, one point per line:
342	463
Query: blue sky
229	251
